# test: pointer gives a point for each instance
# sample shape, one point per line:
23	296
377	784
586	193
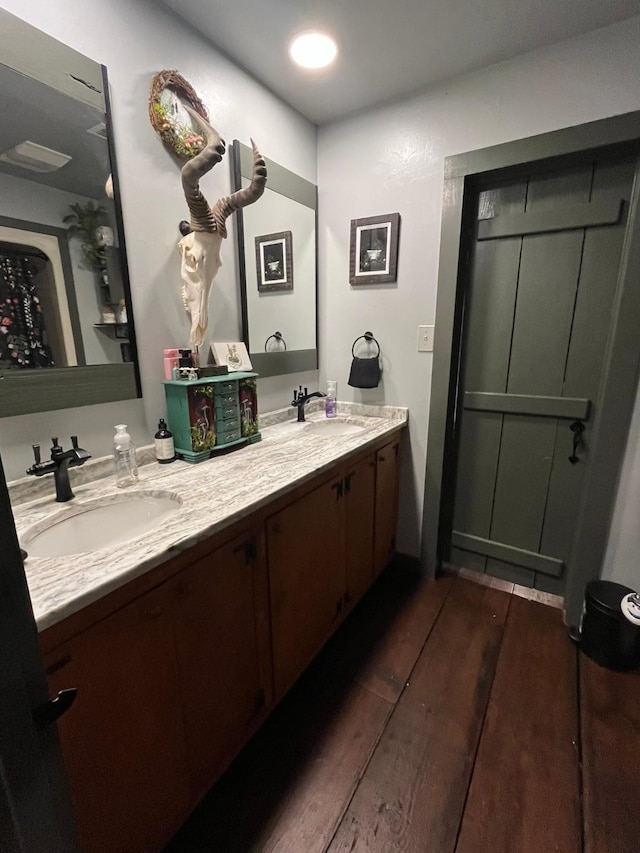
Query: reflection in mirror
277	263
66	327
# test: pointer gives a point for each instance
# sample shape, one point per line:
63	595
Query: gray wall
135	40
622	560
391	159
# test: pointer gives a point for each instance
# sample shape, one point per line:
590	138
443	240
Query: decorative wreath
181	138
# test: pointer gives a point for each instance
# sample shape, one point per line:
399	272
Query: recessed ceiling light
313	50
37	158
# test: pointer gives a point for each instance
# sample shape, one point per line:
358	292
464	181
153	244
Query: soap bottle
124	456
330	403
163	440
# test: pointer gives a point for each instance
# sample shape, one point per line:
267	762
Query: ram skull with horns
203	234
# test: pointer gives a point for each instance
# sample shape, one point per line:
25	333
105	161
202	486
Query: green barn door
544	268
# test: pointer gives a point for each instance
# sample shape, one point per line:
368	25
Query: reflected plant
83	222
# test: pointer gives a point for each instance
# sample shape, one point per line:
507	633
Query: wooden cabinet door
360	490
123	739
222	643
305	546
386	516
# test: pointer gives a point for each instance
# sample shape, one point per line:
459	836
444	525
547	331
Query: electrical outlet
425	338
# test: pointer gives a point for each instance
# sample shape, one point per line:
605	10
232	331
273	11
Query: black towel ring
368	337
278	337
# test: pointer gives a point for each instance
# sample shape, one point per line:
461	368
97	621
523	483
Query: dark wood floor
443	716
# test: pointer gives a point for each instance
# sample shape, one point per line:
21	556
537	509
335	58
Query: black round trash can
607	636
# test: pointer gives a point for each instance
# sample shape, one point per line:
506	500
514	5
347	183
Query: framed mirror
66	324
277	260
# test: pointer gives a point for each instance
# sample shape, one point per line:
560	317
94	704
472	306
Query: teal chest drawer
227	387
227	411
229	431
226	399
210	415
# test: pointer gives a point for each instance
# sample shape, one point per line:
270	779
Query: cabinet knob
249	549
183	591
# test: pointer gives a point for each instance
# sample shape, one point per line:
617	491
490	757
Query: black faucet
299	400
60	462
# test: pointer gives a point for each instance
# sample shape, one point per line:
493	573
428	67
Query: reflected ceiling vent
99	130
36	158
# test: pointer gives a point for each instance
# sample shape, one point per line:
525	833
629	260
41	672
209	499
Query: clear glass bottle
124	457
330	402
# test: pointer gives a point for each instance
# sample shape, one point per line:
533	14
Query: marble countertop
214	495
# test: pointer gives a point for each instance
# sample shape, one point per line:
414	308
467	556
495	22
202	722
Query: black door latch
577	428
52	709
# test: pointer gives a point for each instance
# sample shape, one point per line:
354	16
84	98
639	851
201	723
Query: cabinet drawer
222	388
224	400
230	433
230	425
227	411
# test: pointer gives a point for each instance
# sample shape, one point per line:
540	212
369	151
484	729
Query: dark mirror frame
286	183
24	392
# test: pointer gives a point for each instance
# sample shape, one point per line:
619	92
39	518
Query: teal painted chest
209	416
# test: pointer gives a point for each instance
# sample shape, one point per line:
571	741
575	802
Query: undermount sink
101	523
330	428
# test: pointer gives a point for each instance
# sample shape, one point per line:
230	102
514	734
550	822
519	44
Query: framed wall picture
373	254
232	353
274	262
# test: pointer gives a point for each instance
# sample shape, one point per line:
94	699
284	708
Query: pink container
171	357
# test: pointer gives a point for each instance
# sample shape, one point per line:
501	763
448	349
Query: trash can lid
607	594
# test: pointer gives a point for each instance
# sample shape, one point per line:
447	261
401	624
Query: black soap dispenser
163	439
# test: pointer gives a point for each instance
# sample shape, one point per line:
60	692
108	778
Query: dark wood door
220	616
359	487
306	557
123	738
543	278
386	515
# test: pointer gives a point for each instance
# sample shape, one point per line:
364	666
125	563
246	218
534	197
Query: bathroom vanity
181	642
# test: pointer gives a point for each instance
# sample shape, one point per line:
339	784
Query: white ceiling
386	47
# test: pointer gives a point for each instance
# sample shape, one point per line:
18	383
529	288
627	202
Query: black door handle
577	428
52	709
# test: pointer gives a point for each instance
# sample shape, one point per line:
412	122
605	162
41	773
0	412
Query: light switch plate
425	338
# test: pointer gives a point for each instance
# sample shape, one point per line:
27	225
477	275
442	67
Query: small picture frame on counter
232	354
